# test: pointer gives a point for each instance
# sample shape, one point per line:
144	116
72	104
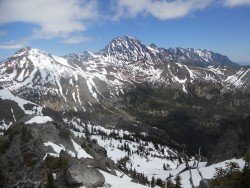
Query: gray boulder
79	174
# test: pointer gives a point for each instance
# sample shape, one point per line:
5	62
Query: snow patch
80	152
39	119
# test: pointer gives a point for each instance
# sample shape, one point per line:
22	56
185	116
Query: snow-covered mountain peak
125	39
28	51
130	49
126	48
37	58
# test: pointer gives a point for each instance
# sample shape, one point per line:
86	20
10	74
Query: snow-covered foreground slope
150	160
111	180
144	157
121	180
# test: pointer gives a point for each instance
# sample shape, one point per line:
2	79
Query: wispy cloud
235	3
12	45
167	9
55	18
161	9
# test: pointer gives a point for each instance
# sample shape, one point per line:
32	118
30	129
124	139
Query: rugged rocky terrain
112	112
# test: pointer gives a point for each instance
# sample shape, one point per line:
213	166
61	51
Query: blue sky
65	26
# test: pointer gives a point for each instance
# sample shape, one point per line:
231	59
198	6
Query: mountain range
177	99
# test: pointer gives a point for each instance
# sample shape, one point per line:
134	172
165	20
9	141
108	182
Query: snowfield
39	119
117	182
57	149
78	152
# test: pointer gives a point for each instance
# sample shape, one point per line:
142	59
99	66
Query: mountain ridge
116	67
126	40
127	44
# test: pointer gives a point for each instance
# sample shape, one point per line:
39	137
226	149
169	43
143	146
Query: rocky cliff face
31	153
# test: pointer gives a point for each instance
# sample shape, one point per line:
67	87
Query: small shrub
65	133
19	129
4	145
25	134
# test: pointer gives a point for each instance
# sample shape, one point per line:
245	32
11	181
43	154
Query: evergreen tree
156	146
177	182
159	182
167	167
244	181
247	159
170	184
153	182
134	173
162	151
171	158
232	176
87	133
51	182
180	161
164	166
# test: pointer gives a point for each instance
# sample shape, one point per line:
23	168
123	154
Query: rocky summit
126	116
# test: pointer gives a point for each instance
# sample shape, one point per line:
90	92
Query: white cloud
161	9
68	19
234	3
75	39
54	17
11	45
